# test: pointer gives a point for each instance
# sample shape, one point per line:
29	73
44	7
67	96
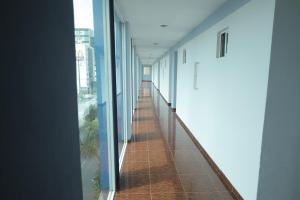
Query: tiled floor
161	161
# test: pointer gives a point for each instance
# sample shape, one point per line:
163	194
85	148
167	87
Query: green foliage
92	114
96	186
89	146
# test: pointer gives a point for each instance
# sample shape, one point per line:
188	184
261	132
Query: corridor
150	100
161	160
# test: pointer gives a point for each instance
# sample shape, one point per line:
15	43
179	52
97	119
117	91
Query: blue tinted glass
119	81
89	44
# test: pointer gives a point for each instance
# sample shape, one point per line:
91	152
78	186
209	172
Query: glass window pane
92	87
147	71
119	82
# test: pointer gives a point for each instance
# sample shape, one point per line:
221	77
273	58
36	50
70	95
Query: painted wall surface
173	77
226	112
133	77
279	176
155	71
128	79
164	77
136	76
152	73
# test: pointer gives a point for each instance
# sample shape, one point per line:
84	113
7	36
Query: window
184	56
222	43
147	71
95	115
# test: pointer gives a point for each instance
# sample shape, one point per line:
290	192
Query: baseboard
122	155
169	104
234	193
164	99
155	86
111	195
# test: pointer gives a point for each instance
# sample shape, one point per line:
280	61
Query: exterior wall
84	36
226	112
85	68
279	176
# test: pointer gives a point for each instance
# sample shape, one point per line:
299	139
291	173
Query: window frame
184	56
222	48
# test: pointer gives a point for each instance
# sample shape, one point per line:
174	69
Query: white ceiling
146	16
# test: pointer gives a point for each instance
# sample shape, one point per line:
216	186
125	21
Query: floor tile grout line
150	185
165	145
175	165
167	149
148	167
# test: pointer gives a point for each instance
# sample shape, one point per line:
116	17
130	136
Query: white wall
138	77
164	77
155	74
226	112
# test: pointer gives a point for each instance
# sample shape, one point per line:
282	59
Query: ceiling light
163	25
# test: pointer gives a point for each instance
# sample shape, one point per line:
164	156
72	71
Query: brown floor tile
174	146
144	119
137	146
200	196
165	183
132	197
196	183
135	168
161	161
187	155
222	196
136	156
162	168
148	108
168	196
139	138
157	145
160	156
137	184
193	167
154	136
145	130
145	113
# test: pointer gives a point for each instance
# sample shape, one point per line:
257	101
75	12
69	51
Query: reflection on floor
161	161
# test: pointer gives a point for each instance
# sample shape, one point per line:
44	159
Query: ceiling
146	16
